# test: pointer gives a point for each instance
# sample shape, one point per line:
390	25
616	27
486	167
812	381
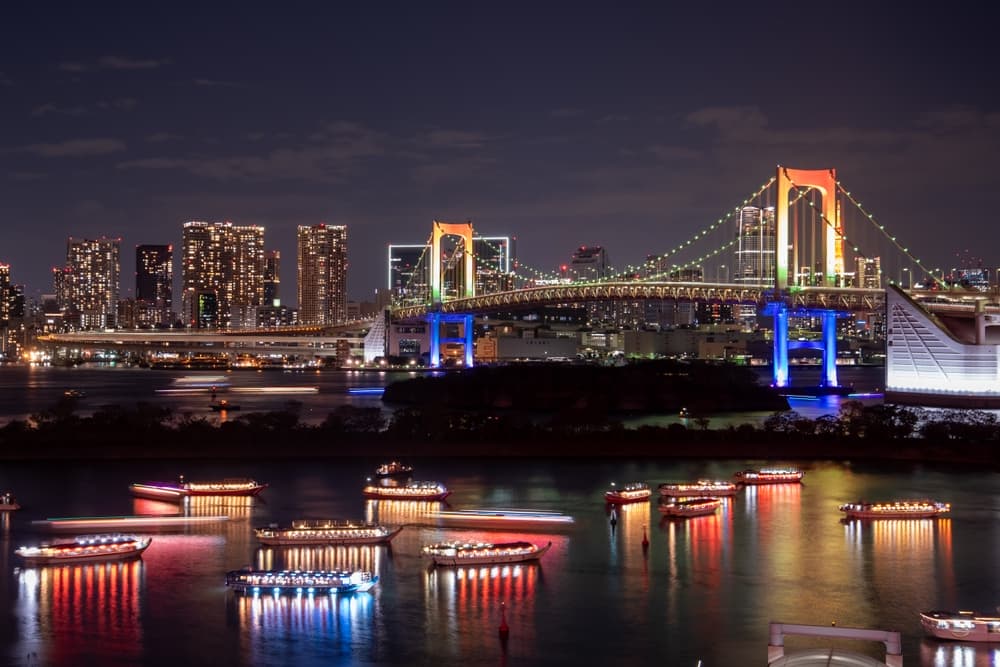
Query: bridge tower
435	318
824	180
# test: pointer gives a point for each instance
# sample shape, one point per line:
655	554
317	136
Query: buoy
504	630
645	540
614	516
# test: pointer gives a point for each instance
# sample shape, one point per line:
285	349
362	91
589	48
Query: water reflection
235	507
951	654
60	610
399	512
368	558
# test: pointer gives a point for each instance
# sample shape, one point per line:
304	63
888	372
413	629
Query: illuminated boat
182	489
703	487
411	491
692	507
768	476
300	581
633	492
8	502
897	509
393	469
503	519
325	532
482	553
86	549
964	626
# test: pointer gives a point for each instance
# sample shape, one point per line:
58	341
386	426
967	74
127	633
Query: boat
411	491
223	406
965	626
896	509
8	503
301	581
306	532
74	393
703	487
393	469
768	476
484	553
182	489
511	519
633	492
692	507
85	549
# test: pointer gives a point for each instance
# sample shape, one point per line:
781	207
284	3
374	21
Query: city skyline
553	128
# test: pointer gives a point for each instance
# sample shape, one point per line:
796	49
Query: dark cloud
112	63
77	148
210	83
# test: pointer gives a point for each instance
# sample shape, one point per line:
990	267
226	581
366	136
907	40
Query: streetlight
909	280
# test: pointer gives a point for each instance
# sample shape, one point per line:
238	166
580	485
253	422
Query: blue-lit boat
300	581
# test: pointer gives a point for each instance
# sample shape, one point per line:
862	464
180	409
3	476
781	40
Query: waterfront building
755	248
226	261
322	274
89	283
154	285
589	263
494	261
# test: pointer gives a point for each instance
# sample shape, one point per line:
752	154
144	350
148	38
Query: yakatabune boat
768	476
393	469
964	626
896	509
703	487
182	489
692	507
85	549
411	491
300	581
482	553
633	492
326	532
8	502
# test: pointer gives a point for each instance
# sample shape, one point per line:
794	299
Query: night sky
630	128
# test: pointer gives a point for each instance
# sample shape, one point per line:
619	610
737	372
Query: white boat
692	507
703	487
304	533
300	581
484	553
411	491
86	549
633	492
896	509
965	626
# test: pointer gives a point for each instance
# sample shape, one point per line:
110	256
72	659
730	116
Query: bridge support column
469	327
434	324
829	378
780	356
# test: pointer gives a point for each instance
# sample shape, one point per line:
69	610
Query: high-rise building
409	273
868	273
90	283
322	274
494	264
225	261
272	278
756	238
154	285
589	263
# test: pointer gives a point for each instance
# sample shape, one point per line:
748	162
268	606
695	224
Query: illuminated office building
868	273
272	278
89	283
222	269
756	238
495	258
154	284
409	273
322	274
589	263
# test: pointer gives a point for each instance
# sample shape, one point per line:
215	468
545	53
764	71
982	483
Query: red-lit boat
87	549
768	476
411	491
8	503
633	492
690	508
482	553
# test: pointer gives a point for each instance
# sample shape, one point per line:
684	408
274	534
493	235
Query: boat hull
688	512
953	626
376	495
280	541
9	507
616	499
70	559
170	491
862	514
300	582
694	491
